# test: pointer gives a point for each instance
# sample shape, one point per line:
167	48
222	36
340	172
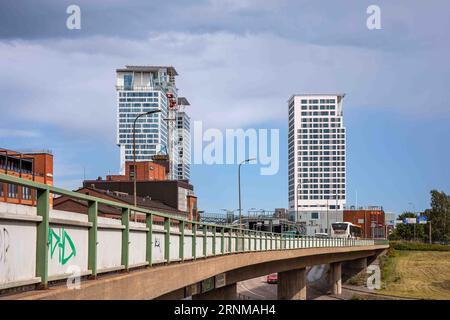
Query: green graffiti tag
59	241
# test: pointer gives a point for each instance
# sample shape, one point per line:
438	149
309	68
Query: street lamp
239	188
134	153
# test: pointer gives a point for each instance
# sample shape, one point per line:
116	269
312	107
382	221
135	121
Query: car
272	278
321	235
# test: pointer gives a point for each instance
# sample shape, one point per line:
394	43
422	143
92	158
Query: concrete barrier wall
68	249
138	243
158	246
17	252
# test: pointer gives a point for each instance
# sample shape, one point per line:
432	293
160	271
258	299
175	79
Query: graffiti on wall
4	244
61	243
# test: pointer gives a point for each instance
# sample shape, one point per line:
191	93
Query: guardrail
44	246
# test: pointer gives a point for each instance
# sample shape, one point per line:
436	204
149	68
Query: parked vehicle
272	278
321	235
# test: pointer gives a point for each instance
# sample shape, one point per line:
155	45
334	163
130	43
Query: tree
439	215
406	231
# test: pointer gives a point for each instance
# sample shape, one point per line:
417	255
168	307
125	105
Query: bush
419	246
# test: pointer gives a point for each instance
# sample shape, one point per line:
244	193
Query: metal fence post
222	242
230	232
149	240
167	239
214	241
92	236
205	240
181	245
260	241
125	236
42	208
194	240
265	239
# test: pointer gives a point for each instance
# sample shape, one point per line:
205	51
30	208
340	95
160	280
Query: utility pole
429	236
134	153
239	190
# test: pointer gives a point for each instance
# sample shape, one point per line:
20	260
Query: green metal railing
244	240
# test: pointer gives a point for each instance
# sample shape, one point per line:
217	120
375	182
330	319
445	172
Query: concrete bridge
45	252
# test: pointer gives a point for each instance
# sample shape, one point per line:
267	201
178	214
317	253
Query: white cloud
231	80
13	133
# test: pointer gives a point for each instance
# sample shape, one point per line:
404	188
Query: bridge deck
40	245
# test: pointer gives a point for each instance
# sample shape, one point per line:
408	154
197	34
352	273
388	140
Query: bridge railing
39	245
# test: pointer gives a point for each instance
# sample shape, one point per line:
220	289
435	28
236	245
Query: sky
238	63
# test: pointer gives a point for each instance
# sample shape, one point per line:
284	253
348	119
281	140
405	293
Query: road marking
252	292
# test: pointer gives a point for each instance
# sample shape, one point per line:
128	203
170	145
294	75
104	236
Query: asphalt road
259	289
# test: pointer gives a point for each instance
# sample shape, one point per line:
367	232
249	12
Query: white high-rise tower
316	160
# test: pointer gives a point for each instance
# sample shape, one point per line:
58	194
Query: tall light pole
239	188
414	211
134	153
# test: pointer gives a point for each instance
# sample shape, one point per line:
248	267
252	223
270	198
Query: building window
128	82
12	191
26	193
314	215
1	190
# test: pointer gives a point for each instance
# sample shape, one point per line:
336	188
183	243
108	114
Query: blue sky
239	61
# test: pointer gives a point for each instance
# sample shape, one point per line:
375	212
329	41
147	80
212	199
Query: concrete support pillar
228	292
336	278
292	285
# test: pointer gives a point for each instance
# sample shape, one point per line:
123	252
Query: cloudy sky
238	62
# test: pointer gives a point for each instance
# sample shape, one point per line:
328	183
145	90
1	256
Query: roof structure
170	69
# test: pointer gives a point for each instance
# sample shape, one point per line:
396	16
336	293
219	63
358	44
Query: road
259	289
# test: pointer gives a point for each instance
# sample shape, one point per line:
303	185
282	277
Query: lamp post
134	153
239	188
414	211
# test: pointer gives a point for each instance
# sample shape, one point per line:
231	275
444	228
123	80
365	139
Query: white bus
345	230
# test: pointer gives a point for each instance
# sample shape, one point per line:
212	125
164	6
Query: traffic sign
422	220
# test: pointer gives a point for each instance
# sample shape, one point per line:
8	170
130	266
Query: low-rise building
371	219
145	171
177	194
66	203
34	165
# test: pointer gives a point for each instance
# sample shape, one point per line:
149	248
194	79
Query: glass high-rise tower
141	89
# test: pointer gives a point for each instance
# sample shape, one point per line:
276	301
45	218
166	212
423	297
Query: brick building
145	171
178	194
35	166
371	219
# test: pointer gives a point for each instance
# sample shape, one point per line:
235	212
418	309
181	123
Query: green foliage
387	266
407	231
420	246
439	214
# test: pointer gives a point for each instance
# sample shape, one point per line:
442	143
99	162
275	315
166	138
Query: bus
345	230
